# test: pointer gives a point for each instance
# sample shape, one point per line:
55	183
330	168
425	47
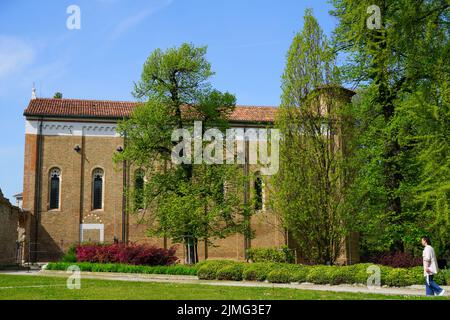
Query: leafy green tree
401	188
310	183
185	202
58	95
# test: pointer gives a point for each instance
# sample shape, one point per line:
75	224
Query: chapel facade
75	192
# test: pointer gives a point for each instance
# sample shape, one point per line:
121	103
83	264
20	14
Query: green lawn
54	288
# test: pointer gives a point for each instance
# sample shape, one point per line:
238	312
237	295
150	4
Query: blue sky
247	43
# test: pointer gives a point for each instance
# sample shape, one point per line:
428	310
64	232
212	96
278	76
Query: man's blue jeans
431	287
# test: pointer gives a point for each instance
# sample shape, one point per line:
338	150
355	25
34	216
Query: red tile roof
103	109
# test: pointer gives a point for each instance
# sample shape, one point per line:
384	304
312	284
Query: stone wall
9	231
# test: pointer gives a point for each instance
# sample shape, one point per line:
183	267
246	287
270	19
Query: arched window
55	184
97	189
139	189
258	185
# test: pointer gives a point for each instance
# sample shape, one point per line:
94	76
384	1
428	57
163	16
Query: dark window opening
258	193
97	201
54	188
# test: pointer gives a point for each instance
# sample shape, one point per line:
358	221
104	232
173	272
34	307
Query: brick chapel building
74	191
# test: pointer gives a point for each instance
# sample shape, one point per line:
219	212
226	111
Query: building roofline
108	110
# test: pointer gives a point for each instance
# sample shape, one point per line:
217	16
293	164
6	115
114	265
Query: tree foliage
310	185
401	189
181	201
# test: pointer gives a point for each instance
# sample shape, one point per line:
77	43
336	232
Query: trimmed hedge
334	275
125	268
257	271
279	276
320	274
231	272
272	272
280	255
208	269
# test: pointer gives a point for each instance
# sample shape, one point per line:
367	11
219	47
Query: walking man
430	268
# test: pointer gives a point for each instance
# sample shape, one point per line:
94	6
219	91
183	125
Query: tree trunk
190	244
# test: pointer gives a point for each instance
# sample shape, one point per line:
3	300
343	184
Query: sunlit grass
54	288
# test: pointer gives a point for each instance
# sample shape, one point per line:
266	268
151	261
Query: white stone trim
93	226
103	129
77	129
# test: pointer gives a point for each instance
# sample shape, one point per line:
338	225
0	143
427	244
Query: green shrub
440	278
359	273
446	276
257	271
207	270
320	274
300	274
231	272
279	276
282	255
341	275
207	273
221	262
416	275
396	277
402	277
71	254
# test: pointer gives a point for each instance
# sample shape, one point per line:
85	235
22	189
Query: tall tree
183	201
310	182
398	65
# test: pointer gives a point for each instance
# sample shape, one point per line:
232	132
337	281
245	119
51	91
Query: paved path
411	291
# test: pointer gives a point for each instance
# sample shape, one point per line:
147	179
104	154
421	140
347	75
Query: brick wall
60	228
9	223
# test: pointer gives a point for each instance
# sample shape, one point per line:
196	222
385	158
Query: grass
13	287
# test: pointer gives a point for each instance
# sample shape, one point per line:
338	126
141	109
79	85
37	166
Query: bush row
125	268
283	254
135	254
271	272
334	275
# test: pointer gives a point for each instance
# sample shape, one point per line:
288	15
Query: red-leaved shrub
397	260
137	254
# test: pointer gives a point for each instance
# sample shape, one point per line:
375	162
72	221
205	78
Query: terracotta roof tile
104	109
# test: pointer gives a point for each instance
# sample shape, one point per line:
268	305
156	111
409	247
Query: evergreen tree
310	183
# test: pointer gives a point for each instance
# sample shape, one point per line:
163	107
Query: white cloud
137	18
22	64
15	54
48	73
